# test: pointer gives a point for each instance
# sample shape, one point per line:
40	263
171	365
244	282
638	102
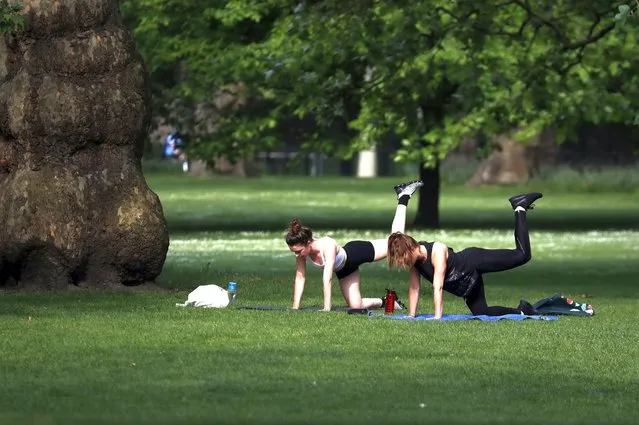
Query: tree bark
428	205
514	162
74	112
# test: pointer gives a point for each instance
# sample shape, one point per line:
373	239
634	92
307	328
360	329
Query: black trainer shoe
527	308
398	304
525	200
407	188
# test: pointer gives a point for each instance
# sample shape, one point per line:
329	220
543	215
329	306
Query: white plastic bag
207	296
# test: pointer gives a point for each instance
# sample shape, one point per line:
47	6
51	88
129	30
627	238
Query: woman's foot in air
525	200
407	188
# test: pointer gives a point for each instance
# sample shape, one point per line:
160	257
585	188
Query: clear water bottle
232	291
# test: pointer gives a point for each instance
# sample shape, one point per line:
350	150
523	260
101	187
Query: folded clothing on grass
558	304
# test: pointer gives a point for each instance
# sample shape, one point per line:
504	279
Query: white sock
520	209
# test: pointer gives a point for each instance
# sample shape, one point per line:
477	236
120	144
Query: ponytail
298	234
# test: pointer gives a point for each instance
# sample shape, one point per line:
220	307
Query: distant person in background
174	148
461	273
327	254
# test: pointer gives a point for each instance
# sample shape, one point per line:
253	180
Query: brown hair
401	248
298	234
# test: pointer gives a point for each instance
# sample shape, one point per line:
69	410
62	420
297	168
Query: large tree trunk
428	206
514	162
75	208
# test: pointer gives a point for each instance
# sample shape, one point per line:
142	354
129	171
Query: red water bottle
389	306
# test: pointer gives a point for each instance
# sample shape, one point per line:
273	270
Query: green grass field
88	357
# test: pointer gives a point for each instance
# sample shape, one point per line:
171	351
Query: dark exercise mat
280	308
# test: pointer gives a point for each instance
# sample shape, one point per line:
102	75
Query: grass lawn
134	358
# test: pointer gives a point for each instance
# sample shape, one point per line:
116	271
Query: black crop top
457	279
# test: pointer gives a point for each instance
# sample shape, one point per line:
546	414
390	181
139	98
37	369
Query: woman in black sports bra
461	273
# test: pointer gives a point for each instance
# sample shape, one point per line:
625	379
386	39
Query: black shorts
357	253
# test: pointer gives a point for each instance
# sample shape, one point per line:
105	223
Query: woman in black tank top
461	273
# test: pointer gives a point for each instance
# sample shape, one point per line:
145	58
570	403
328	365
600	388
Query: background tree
76	209
10	17
430	73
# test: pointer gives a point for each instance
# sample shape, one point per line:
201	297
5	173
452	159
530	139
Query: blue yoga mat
466	317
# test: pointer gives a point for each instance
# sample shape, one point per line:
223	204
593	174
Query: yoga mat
280	308
446	317
450	317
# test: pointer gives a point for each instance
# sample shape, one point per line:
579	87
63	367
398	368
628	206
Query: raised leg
404	192
496	260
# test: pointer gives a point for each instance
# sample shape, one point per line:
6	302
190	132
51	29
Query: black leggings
495	260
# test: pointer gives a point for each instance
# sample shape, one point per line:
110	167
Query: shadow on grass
72	303
584	280
559	220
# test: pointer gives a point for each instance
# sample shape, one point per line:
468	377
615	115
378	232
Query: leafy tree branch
10	17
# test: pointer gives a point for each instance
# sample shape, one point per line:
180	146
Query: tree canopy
10	18
430	72
240	74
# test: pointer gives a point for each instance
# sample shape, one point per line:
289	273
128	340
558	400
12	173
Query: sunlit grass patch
134	358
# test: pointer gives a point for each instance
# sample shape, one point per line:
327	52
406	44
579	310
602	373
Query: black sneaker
407	188
398	304
525	200
357	311
527	308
